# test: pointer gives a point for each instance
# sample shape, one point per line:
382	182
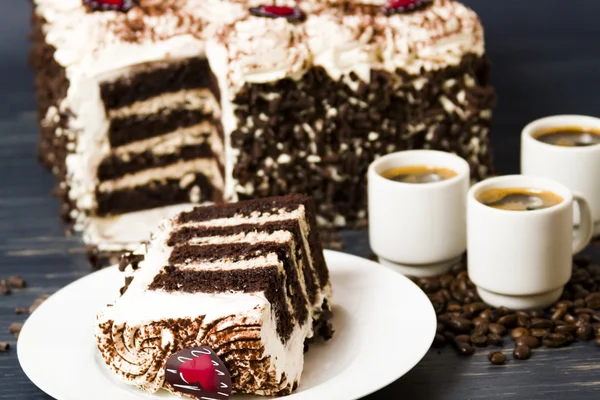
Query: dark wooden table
547	59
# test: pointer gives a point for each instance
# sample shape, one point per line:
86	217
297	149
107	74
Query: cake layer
155	79
189	182
139	127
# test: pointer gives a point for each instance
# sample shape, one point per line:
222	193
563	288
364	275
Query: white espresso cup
418	229
578	168
523	259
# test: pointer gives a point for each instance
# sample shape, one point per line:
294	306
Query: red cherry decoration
405	6
198	372
289	13
114	5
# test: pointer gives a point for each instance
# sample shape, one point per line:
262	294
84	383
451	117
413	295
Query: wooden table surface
547	59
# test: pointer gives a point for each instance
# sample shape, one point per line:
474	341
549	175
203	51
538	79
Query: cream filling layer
169	143
190	99
206	166
225	264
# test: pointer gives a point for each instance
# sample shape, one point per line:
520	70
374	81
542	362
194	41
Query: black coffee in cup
569	136
419	174
519	199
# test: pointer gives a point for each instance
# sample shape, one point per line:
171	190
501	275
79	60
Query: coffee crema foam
569	136
519	199
419	174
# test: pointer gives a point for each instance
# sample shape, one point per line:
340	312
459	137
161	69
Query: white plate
375	311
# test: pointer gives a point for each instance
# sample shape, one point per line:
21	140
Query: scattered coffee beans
15	328
465	322
4	347
20	310
37	303
4	288
16	282
522	352
497	358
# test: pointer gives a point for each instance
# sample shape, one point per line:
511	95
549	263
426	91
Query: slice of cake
146	105
247	279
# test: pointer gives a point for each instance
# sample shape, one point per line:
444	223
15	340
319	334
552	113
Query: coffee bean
463	338
541	323
596	317
579	303
537	314
37	303
508	320
498	329
597	341
569	319
555	340
583	319
440	327
20	310
495	315
522	352
446	280
486	314
454	308
559	313
518	332
4	347
565	329
439	341
497	358
495	339
595	304
538	333
564	304
523	321
429	285
479	320
16	282
449	336
479	340
15	328
464	348
529	341
584	310
477	307
460	325
483	328
443	319
585	332
4	288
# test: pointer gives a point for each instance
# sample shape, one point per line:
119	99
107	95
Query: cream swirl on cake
342	45
265	50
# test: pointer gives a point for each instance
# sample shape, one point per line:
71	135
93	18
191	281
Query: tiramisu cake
147	105
247	279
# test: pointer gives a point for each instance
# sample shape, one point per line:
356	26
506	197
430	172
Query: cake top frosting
336	34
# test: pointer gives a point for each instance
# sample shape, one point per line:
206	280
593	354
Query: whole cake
146	106
247	279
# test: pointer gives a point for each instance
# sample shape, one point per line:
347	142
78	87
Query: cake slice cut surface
247	279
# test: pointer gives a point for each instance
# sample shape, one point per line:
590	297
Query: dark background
546	56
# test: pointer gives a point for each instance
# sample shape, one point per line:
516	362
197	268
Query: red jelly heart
118	5
279	10
200	370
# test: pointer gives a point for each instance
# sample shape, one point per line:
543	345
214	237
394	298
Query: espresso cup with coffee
566	148
520	239
417	211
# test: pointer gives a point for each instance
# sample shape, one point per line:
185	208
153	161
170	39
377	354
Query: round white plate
375	311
